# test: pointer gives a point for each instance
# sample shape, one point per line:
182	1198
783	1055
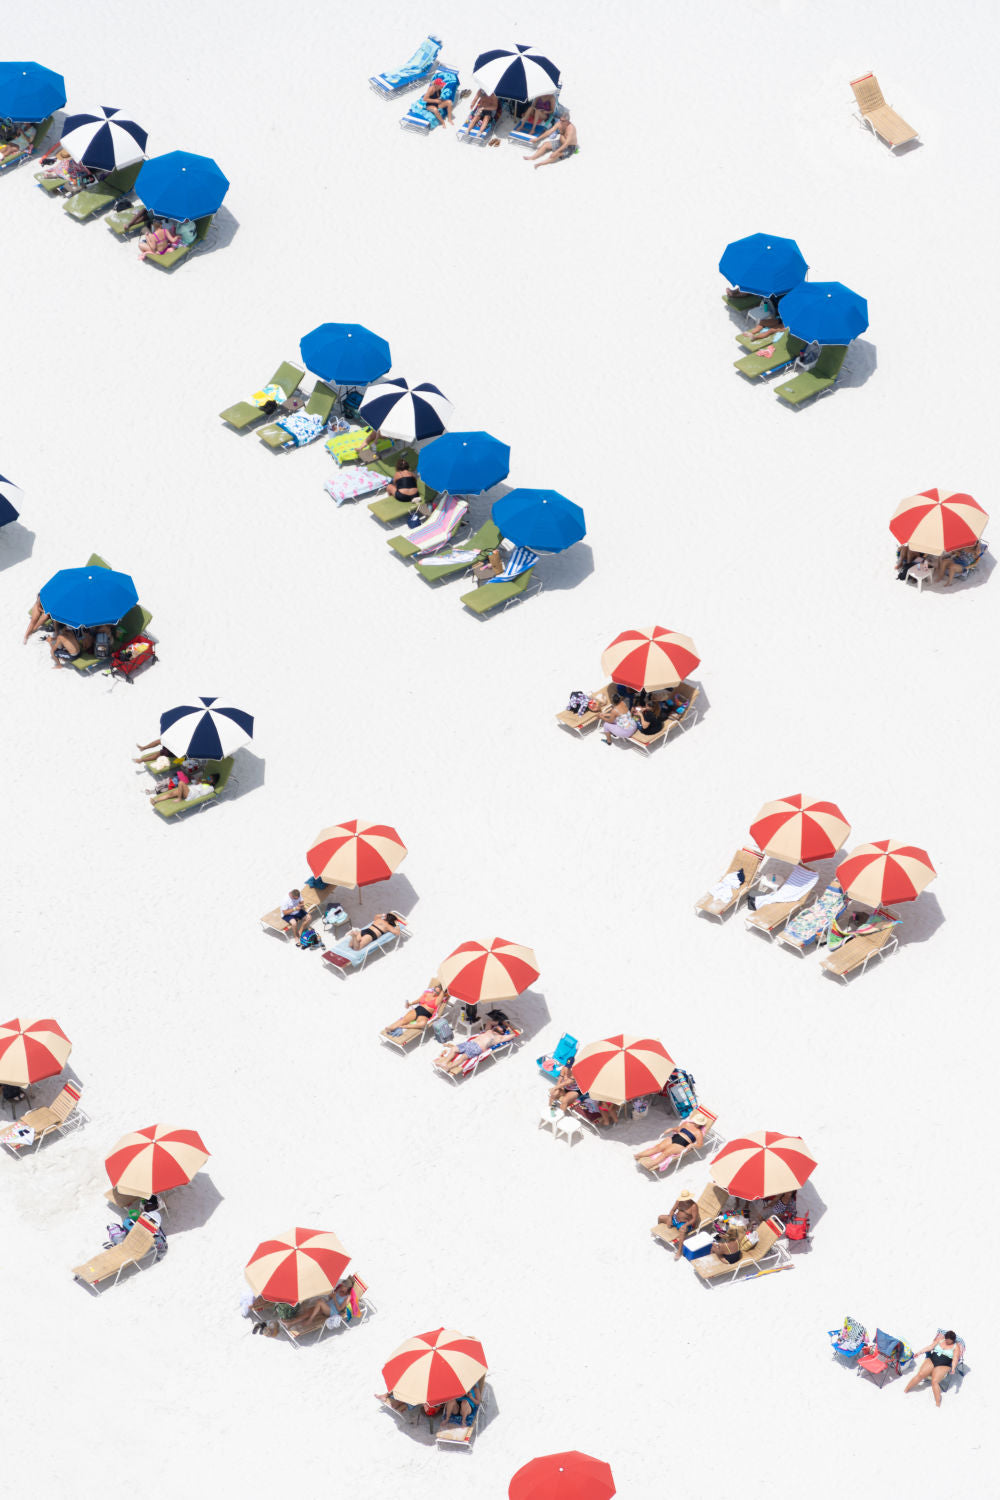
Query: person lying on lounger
309	1316
671	1143
38	619
15	139
432	100
422	1012
485	108
175	789
938	1365
553	144
453	1058
536	113
160	239
67	644
684	1217
771	323
382	923
157	751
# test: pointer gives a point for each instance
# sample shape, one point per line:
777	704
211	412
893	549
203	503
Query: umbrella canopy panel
497	970
356	853
30	92
464	463
800	829
9	492
763	263
938	521
155	1159
32	1050
563	1476
518	72
622	1068
651	659
885	872
824	312
542	520
409	413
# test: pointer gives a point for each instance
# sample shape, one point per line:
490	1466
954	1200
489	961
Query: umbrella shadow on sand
191	1206
394	894
809	1202
247	775
16	545
922	922
860	364
222	232
567	569
529	1011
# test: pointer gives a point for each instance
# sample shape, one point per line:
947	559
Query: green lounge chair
746	342
388	510
486	539
320	404
817	380
497	595
786	348
443	524
287	376
50	184
741	301
119	221
95	560
169	258
100	197
220	768
41	131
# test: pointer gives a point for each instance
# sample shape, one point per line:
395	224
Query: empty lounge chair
820	377
303	426
286	379
786	349
848	1341
417	70
511	584
458	560
884	1357
729	892
812	924
61	1115
134	1250
876	114
776	907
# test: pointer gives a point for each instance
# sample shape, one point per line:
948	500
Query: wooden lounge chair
876	114
687	692
135	1248
97	199
747	860
200	795
580	722
315	903
320	404
771	916
768	1247
786	348
855	953
702	1117
47	1119
818	379
812	924
167	259
710	1205
499	595
456	1434
287	377
486	539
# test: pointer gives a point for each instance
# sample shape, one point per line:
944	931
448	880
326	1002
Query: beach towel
418	67
351	484
879	918
419	114
302	426
817	918
457	556
723	889
269	393
797	883
440	527
521	559
344	447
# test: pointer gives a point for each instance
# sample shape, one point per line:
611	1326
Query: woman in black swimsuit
382	923
658	1153
404	483
942	1355
727	1246
422	1011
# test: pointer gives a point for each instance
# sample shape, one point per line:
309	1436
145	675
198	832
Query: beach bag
116	1233
442	1030
103	643
579	703
309	939
797	1229
680	1090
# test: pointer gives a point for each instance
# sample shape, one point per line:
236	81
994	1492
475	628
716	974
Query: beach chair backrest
321	400
95	560
830	361
887	1345
565	1049
702	1117
522	559
868	94
66	1101
288	377
222	769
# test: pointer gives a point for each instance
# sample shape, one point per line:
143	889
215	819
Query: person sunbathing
380	926
553	144
684	1217
772	324
453	1058
157	751
67	644
309	1316
485	111
958	563
536	113
389	1400
940	1361
422	1012
433	101
174	790
159	240
15	140
341	1298
38	618
658	1153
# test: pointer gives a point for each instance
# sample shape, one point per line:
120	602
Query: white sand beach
575	313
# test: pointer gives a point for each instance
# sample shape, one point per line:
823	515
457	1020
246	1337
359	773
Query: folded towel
797	883
723	889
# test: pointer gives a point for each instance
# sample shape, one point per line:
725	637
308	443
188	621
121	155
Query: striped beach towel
521	559
440	527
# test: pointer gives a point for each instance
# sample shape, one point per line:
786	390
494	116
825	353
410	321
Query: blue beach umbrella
825	312
464	463
9	492
205	729
345	353
543	520
79	597
181	185
763	263
29	92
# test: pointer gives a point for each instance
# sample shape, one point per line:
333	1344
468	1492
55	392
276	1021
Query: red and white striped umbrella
937	521
30	1050
622	1068
800	829
762	1164
155	1159
298	1264
356	853
650	659
884	872
434	1367
496	970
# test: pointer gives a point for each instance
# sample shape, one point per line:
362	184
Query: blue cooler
697	1245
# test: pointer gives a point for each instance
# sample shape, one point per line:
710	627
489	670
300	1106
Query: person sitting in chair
67	644
771	323
565	1091
38	618
619	722
403	485
380	925
671	1143
553	144
942	1355
485	110
684	1217
160	239
957	564
726	1245
294	914
432	100
309	1316
463	1409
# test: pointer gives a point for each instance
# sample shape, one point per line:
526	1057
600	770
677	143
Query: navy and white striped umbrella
406	412
9	492
205	729
104	139
517	72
